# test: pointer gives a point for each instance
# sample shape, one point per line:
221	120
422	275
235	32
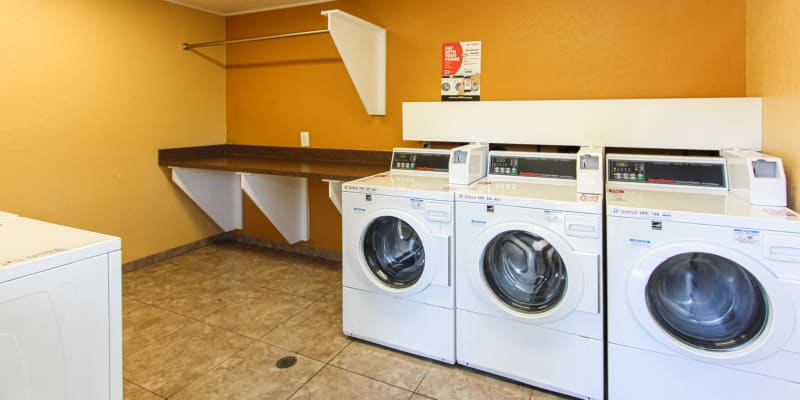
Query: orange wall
532	49
89	91
773	72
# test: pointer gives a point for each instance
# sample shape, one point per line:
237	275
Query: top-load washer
703	287
60	312
528	273
397	256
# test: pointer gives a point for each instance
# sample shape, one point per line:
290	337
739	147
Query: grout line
214	367
143	388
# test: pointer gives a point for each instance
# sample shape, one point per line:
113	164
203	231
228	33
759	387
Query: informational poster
461	71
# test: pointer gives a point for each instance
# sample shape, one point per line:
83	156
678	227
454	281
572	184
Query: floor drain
286	362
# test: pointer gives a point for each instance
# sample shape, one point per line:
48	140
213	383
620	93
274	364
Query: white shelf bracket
217	193
284	200
335	193
362	46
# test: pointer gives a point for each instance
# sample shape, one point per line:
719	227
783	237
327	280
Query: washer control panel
433	160
681	171
551	166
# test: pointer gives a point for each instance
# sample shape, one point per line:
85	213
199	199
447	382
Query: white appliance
60	313
528	274
703	288
756	177
397	256
468	163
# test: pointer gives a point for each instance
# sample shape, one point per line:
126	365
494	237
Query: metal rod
187	46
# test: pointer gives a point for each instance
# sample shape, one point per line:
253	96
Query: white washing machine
528	274
60	312
703	287
397	256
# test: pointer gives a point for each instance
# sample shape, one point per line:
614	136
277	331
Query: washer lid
28	246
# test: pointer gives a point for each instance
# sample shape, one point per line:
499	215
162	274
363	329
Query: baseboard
291	248
161	256
235	237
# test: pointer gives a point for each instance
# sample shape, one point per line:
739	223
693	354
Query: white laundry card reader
434	161
468	163
757	177
590	174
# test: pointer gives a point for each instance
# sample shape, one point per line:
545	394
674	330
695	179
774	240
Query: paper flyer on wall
461	71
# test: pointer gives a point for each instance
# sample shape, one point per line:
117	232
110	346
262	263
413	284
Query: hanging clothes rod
187	46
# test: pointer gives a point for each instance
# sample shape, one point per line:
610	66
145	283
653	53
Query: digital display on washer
667	172
540	167
421	161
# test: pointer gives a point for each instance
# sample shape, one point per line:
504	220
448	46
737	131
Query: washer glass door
707	301
394	252
524	271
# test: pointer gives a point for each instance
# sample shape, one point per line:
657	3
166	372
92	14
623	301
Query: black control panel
540	167
421	161
683	173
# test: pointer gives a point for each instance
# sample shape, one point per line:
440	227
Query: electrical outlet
304	141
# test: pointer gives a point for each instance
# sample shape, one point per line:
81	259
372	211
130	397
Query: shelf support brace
335	193
362	46
284	201
217	193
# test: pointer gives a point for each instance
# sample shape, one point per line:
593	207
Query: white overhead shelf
690	123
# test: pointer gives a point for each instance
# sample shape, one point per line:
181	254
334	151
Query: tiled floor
212	323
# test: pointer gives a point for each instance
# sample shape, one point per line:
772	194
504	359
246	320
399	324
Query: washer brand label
417	203
477	221
360	188
478	197
641	213
358	210
639	242
746	235
12	261
588	198
780	212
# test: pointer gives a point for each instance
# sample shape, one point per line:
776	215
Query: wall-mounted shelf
362	46
275	178
692	123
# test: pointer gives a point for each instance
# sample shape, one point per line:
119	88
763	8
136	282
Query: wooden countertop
343	165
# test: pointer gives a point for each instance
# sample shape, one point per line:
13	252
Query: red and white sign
461	71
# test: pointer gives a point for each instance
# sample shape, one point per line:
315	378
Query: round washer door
526	271
710	303
395	251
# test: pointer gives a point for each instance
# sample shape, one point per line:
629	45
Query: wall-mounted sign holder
362	46
282	199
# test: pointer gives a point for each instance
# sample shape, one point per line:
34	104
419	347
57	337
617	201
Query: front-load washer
703	287
528	274
397	256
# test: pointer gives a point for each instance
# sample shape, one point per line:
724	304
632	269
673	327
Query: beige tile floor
212	323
